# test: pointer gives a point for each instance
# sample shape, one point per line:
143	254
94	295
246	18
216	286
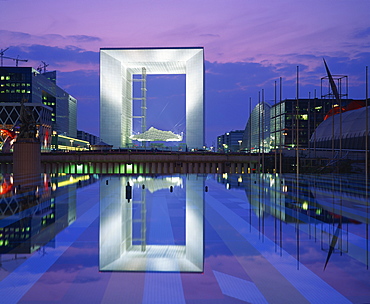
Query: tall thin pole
280	132
263	131
275	139
367	125
340	119
259	130
250	127
297	175
309	122
314	125
367	166
297	122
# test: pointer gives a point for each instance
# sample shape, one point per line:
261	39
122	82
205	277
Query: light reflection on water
252	238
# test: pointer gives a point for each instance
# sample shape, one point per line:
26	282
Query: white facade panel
110	100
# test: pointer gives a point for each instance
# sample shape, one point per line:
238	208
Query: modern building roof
346	125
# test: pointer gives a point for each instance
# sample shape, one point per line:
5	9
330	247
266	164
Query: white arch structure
117	67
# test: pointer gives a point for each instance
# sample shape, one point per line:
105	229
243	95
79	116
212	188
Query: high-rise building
17	83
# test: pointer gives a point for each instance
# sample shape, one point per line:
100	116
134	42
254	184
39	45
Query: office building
275	126
230	141
92	139
17	83
256	136
306	113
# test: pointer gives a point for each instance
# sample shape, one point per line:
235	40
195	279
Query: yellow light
73	180
305	206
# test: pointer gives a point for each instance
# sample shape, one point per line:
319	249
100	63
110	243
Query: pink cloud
230	31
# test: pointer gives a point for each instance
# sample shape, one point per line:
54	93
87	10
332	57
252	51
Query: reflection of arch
116	249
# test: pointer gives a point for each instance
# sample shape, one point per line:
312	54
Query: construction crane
2	51
17	59
42	67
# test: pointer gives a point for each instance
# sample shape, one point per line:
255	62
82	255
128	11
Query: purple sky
248	45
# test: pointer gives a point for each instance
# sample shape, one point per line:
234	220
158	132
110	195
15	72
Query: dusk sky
248	45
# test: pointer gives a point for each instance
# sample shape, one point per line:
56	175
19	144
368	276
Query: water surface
257	238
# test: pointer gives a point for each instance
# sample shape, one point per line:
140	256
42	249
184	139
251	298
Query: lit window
53	119
304	117
7	77
2	78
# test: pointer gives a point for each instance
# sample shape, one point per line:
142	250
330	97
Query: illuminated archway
117	67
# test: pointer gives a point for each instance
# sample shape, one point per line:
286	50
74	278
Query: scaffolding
335	89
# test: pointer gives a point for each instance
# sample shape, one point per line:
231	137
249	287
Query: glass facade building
275	126
256	136
286	115
17	83
117	70
230	141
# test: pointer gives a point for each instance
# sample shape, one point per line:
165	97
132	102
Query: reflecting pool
258	238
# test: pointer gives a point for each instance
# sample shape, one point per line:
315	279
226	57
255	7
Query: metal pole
314	125
275	138
259	131
367	126
340	119
367	166
309	122
263	131
297	123
281	118
250	129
